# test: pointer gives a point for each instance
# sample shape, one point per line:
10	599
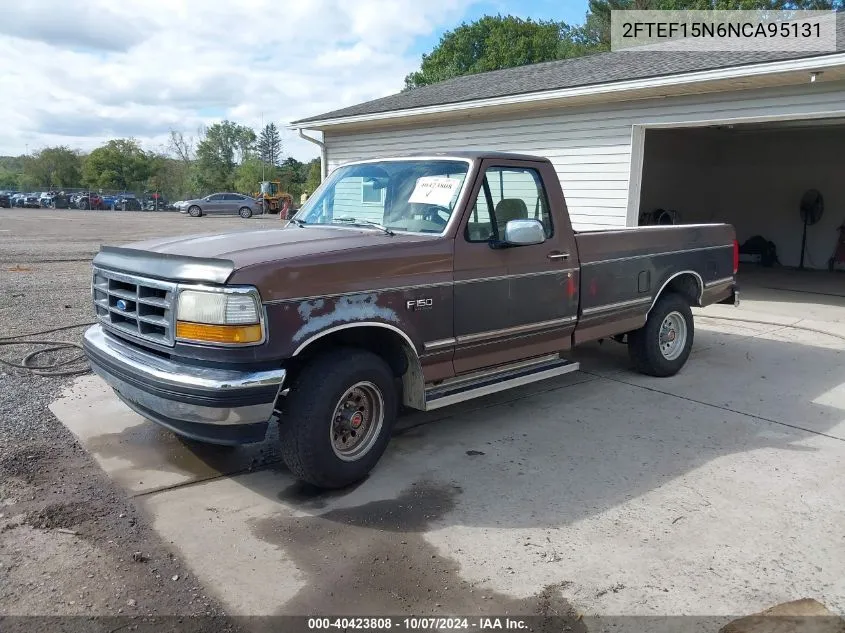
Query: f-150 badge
419	304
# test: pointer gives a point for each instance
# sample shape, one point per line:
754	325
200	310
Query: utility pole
259	148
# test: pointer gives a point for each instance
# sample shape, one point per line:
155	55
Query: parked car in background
6	199
31	200
154	202
126	202
89	201
44	199
59	200
222	203
17	199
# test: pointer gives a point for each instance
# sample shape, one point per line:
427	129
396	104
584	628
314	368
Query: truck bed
624	270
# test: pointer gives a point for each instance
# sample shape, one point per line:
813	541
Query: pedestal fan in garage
812	207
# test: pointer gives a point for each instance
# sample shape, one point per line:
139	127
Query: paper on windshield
437	190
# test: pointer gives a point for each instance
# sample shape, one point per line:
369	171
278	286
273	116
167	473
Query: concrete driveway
719	491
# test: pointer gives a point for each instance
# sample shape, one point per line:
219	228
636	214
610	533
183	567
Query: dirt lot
717	492
70	541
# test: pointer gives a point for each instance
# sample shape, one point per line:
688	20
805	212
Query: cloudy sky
76	72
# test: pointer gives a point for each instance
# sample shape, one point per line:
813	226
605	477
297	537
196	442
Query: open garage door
752	176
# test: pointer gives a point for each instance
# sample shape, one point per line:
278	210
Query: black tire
645	346
245	212
83	204
305	428
195	211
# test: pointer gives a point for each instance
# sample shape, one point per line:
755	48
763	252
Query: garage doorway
753	176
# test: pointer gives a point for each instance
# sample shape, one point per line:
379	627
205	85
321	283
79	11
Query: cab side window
507	193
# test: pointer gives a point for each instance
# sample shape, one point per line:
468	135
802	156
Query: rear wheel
245	212
337	418
661	347
195	211
83	204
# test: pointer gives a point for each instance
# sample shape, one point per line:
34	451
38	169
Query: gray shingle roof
594	69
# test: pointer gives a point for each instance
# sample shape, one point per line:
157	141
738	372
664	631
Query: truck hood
246	248
214	257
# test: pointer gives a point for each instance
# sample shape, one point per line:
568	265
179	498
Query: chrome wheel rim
672	338
356	422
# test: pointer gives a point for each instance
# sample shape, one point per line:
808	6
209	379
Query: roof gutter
733	72
323	158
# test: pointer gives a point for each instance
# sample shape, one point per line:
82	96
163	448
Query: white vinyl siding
590	147
349	201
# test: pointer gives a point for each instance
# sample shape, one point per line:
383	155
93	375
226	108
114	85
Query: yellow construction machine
273	198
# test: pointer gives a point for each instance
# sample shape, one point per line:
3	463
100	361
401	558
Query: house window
370	194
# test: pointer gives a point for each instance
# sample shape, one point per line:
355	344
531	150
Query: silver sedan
221	204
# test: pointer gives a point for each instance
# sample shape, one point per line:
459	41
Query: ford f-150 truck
409	282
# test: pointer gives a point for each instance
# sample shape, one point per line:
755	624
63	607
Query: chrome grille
136	306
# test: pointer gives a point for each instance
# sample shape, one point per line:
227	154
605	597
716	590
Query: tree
490	43
270	145
52	167
292	175
249	174
119	164
11	172
224	146
314	176
181	148
496	42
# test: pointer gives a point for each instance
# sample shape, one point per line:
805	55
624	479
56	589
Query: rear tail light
736	256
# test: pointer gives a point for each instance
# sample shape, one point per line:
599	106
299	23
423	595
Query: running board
507	377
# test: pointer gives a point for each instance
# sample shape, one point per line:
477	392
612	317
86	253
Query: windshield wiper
298	222
357	222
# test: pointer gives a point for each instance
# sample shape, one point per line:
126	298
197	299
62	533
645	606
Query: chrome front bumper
222	406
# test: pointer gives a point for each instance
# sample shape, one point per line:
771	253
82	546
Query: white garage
734	137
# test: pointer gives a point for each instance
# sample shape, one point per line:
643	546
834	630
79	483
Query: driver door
514	302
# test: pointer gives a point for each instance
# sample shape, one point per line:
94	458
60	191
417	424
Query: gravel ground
71	543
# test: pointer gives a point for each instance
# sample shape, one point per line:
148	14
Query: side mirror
524	233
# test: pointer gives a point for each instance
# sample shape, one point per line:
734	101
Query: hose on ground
56	368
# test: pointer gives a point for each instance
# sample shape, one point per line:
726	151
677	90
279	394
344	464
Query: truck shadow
565	449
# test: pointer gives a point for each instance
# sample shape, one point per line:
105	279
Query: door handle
556	255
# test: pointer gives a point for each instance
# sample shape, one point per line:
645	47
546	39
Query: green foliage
270	145
250	173
496	42
11	172
490	43
224	146
222	157
119	164
312	180
51	167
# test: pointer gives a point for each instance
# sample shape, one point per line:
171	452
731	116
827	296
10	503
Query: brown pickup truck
413	282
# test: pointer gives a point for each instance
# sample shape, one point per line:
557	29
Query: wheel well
390	346
686	284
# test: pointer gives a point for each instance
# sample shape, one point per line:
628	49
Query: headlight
229	316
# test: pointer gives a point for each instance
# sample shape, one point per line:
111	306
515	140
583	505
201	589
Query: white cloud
77	73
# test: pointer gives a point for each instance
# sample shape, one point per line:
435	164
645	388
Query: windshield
402	195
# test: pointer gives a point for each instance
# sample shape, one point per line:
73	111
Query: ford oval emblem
121	305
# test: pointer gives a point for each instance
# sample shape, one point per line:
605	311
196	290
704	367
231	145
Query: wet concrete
374	558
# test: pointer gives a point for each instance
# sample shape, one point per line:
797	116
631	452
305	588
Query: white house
735	137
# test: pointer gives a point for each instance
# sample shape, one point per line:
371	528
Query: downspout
323	159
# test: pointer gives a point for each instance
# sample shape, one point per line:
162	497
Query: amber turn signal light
232	334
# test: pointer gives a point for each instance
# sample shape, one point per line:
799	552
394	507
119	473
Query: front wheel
195	212
245	212
337	418
661	347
